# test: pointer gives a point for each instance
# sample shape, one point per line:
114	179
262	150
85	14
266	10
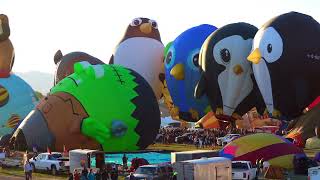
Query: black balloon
227	77
286	63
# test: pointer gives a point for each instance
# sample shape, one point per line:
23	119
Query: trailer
190	155
216	168
80	158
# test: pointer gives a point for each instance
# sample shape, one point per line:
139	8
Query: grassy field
19	172
168	147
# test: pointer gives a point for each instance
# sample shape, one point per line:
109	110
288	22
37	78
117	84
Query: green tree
39	95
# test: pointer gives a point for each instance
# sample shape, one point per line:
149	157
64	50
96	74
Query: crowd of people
199	137
106	173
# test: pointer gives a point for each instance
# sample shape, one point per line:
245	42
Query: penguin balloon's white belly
143	55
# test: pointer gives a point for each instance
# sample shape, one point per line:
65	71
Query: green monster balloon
119	109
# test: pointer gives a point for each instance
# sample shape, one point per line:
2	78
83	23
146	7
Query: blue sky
40	27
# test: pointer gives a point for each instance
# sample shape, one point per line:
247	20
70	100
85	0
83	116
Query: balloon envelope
277	150
21	99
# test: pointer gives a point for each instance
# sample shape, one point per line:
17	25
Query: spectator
131	176
35	150
195	141
76	175
98	175
104	174
114	174
125	162
91	175
27	169
200	142
174	176
85	171
84	175
70	176
265	166
261	165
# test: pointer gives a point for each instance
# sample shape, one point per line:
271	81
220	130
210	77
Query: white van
79	158
216	168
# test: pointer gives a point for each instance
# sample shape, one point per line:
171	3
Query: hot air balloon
17	99
141	50
277	150
226	76
286	63
65	63
106	106
182	72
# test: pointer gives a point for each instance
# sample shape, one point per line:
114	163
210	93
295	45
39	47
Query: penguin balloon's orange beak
178	72
146	28
255	56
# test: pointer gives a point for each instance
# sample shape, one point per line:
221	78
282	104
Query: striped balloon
277	150
4	96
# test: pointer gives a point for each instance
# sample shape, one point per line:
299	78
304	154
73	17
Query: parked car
49	162
226	139
183	138
153	172
267	129
243	170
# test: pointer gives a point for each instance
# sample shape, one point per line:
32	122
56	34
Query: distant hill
39	81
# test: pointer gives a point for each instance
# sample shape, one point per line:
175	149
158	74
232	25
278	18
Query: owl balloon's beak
255	56
178	72
146	28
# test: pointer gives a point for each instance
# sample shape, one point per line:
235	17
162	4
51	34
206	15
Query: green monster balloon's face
106	93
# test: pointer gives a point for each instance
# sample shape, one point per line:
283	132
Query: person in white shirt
265	165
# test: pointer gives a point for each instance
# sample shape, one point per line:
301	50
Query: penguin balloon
182	72
226	76
141	50
286	63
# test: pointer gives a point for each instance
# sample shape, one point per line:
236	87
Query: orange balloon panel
209	121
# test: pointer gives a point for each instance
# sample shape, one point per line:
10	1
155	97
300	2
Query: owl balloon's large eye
136	22
169	58
195	60
154	24
225	55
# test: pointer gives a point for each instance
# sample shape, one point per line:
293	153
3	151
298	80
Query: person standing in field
27	170
125	162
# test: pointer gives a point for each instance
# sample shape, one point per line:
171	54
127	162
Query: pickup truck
49	161
226	139
243	170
